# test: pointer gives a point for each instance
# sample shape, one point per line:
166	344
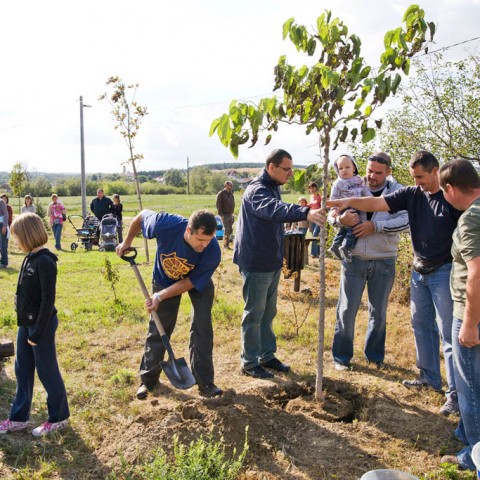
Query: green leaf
368	134
224	131
368	111
388	39
286	27
214	126
268	139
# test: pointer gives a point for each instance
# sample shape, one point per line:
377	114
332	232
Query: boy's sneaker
450	406
10	426
335	251
345	253
48	427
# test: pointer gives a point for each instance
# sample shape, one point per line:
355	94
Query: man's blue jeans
431	306
378	275
467	379
43	358
260	295
57	233
3	246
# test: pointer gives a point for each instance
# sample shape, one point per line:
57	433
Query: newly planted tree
335	97
128	115
18	181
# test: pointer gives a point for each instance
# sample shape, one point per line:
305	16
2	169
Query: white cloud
188	57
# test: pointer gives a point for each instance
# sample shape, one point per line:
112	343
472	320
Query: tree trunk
319	397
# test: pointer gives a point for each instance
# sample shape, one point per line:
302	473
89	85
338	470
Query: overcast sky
190	57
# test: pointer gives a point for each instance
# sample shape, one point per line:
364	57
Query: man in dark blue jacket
259	256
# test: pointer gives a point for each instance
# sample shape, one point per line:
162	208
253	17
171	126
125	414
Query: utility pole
83	184
188	177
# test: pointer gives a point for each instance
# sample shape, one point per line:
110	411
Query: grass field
100	343
179	204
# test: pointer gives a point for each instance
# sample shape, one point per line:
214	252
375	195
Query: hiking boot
144	388
450	406
345	253
48	427
10	426
210	390
335	251
419	382
276	364
341	366
257	372
453	460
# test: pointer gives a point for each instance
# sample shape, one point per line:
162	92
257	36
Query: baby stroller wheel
73	246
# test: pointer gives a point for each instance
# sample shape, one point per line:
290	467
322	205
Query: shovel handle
146	294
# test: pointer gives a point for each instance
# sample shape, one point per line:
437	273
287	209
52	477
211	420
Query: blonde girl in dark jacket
37	322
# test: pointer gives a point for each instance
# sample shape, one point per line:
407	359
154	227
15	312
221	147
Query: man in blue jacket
259	256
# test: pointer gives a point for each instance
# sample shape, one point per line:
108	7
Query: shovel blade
178	372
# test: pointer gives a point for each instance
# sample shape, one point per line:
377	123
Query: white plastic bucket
387	475
476	457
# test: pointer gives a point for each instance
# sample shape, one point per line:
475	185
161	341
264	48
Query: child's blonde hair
302	199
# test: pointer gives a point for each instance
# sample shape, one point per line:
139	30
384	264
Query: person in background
302	225
432	222
101	205
56	212
3	234
315	204
226	208
10	214
37	323
461	187
259	256
117	209
29	206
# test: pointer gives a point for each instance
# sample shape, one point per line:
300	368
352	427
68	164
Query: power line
246	99
449	46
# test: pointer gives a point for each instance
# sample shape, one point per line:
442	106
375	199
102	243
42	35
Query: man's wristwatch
158	296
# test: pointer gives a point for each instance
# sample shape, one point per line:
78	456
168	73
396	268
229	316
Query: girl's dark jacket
36	292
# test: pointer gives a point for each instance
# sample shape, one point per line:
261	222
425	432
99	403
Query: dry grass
100	345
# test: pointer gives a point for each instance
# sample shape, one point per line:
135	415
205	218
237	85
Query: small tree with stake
335	97
18	181
128	115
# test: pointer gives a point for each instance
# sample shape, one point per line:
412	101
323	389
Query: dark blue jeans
467	379
3	246
345	236
259	343
201	336
378	277
43	358
432	317
315	229
57	233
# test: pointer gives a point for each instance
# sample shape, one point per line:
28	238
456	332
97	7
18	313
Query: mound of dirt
290	435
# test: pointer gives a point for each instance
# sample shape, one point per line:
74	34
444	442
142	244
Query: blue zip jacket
259	236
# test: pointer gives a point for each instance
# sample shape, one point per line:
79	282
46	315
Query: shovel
176	369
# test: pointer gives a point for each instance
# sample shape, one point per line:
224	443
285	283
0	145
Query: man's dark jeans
201	336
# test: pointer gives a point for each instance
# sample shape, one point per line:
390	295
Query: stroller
108	233
87	234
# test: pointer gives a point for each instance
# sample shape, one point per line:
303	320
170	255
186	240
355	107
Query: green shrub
203	459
